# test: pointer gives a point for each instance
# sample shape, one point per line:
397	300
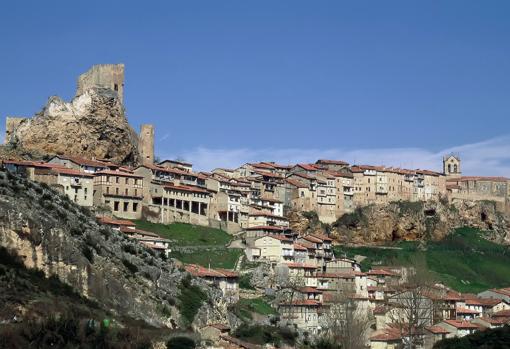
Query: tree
346	324
412	308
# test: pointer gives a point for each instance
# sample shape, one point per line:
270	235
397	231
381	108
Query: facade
120	191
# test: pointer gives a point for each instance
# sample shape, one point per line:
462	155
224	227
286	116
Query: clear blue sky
272	75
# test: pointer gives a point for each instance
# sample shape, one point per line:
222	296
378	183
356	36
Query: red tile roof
462	310
390	334
461	324
308	167
296	183
331	162
200	271
71	172
502	313
309	290
186	188
437	329
112	221
380	272
300	266
303	302
299	247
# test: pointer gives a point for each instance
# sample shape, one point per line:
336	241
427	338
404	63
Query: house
81	164
120	191
389	338
301	314
497	293
226	280
266	219
458	328
434	334
77	185
270	248
117	224
182	165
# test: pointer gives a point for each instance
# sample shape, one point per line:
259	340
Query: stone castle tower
451	165
109	76
146	144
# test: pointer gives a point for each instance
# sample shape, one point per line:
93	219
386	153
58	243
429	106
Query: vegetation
191	298
215	258
498	338
262	334
245	307
245	281
181	343
186	234
464	260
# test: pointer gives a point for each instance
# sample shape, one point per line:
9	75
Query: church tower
451	165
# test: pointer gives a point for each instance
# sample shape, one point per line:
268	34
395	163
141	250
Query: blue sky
386	82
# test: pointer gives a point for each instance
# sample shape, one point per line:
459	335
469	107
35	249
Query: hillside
463	260
50	234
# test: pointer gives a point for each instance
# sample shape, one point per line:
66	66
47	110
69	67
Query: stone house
77	163
301	314
226	280
120	191
458	328
271	248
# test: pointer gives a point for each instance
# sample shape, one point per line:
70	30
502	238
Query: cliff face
53	235
413	221
92	125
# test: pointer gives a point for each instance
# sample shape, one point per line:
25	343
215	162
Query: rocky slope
92	125
52	235
410	221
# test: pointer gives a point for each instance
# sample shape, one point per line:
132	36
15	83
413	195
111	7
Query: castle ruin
110	76
146	144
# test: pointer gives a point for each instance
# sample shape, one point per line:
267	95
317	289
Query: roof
380	310
389	334
436	329
311	238
294	265
331	162
127	230
268	227
503	291
461	324
112	221
502	313
84	162
308	167
380	272
261	214
176	162
187	188
71	172
299	247
309	290
482	178
200	271
296	183
303	302
462	310
118	173
277	237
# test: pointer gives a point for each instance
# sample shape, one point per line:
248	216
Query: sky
396	83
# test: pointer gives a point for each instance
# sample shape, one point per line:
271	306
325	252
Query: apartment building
120	191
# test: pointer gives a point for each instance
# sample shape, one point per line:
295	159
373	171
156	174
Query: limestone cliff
53	235
92	125
411	221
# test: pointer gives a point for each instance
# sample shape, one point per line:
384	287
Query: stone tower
146	144
451	165
109	76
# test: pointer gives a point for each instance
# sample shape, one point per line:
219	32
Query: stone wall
110	76
146	144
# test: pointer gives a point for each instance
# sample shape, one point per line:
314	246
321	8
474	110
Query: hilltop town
314	290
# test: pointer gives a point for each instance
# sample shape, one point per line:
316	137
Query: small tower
110	76
451	165
146	144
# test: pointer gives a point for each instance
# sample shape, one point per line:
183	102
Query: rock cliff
51	234
410	221
92	125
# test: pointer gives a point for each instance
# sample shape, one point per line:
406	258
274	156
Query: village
313	289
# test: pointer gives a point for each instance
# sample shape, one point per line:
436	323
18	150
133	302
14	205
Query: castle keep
110	76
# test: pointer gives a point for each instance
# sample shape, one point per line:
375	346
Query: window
115	87
116	191
116	179
115	205
85	191
126	206
127	180
135	206
126	192
107	190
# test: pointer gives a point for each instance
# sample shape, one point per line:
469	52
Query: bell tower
451	165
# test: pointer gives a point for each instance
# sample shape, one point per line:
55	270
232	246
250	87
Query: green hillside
464	260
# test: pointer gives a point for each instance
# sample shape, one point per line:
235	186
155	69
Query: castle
103	76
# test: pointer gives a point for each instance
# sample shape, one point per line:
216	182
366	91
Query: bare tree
346	323
412	308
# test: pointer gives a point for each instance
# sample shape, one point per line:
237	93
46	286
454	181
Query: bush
245	282
181	343
131	267
88	253
191	298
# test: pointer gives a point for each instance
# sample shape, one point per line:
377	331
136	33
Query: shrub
245	282
191	298
131	267
181	343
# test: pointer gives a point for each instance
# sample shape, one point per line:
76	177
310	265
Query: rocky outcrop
411	221
92	125
53	235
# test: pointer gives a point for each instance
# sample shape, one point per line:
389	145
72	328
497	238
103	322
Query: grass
258	305
216	258
464	260
186	234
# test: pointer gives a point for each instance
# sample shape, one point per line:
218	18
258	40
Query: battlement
109	76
